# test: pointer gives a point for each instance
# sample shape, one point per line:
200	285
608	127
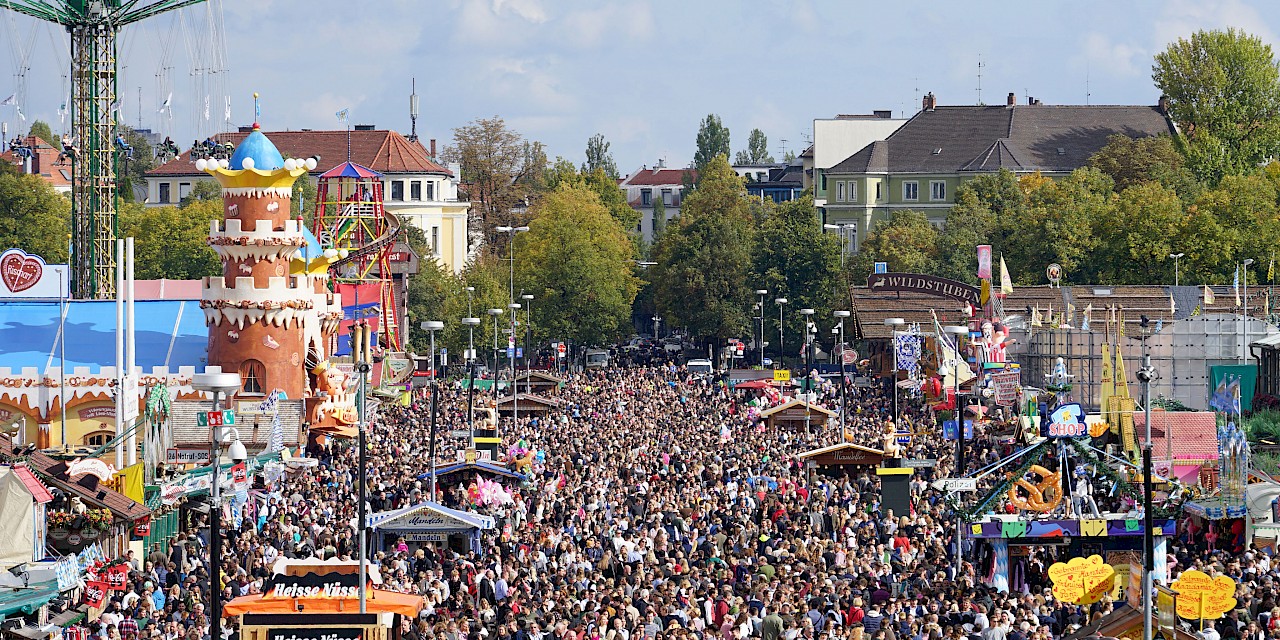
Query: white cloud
530	10
1181	18
1104	57
528	81
631	21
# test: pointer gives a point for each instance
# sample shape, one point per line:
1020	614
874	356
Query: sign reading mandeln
926	284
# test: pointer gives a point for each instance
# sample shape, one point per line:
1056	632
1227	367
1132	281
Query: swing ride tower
94	26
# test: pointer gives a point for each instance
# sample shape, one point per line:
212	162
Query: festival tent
430	522
376	601
479	467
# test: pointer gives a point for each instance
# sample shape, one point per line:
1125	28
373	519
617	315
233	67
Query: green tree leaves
757	151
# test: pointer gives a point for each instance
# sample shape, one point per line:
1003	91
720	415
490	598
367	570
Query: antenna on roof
980	66
784	146
413	110
1087	94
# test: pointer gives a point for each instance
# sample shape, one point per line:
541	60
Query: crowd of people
658	509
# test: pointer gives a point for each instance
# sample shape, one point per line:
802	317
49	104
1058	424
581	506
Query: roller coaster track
377	244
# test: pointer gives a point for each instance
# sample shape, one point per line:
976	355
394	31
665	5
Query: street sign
511	352
187	456
862	382
560	350
459	433
782	375
956	484
130	392
924	463
882	267
224	418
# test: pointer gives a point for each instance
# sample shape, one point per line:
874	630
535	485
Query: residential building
757	172
922	163
645	187
39	158
415	186
835	139
782	184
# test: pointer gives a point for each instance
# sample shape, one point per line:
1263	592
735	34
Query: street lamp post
528	340
432	326
958	332
1176	257
781	302
1244	347
657	321
809	330
511	350
1146	375
471	323
844	240
762	293
494	313
219	384
511	256
893	324
841	315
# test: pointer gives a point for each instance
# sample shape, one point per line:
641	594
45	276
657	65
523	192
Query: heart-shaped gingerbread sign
20	271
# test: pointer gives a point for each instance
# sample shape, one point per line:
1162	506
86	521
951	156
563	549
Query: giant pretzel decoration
1045	496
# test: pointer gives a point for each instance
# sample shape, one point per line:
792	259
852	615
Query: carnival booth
320	600
795	414
429	522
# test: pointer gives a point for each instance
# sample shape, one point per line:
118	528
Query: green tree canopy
599	157
501	171
704	258
796	260
33	217
1224	93
40	129
575	260
757	150
172	242
1131	161
713	140
907	241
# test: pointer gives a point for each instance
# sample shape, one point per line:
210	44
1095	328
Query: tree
713	140
33	217
207	190
575	260
1224	92
1140	232
1131	161
172	241
40	129
598	157
907	241
659	218
704	258
789	157
497	171
796	260
1056	225
757	151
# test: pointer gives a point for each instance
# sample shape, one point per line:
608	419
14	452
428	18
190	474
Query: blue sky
642	72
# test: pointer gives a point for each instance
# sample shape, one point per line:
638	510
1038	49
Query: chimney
433	148
1011	100
1163	105
1031	100
662	163
930	102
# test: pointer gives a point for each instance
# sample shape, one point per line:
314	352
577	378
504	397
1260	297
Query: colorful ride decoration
1202	597
1082	580
358	233
1044	495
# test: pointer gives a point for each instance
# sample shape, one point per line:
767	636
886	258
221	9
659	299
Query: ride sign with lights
1067	421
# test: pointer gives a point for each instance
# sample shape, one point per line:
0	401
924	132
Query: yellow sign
1166	610
782	375
1082	580
1201	597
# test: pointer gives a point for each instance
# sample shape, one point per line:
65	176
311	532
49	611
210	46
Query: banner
984	261
239	477
94	594
1006	283
1006	387
117	577
906	352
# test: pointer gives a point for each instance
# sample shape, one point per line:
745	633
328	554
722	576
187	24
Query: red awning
33	485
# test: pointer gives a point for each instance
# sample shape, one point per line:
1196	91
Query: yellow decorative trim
894	471
256	178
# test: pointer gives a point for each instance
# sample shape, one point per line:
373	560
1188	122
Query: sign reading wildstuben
926	284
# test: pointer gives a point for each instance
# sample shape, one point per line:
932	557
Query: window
646	197
98	438
840	191
911	190
164	193
415	190
435	241
184	190
853	191
878	195
397	190
431	190
937	190
823	181
253	376
667	200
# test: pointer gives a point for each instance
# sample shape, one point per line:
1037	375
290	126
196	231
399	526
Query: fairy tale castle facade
270	317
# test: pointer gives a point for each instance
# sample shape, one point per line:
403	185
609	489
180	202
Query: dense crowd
659	509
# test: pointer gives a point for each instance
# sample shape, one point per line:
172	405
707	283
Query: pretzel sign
1044	496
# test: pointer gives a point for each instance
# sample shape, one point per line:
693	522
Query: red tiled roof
44	158
103	497
1195	433
37	488
650	177
382	150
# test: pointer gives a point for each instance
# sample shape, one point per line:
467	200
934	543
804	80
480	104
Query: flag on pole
226	111
20	114
1035	317
1208	295
1006	283
206	107
1088	311
115	107
11	100
342	115
1271	269
1173	307
1235	285
168	101
1159	325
